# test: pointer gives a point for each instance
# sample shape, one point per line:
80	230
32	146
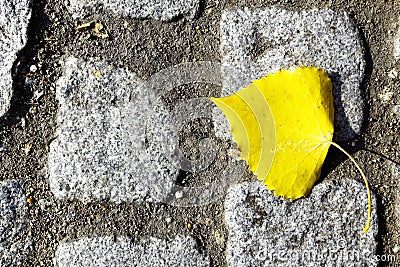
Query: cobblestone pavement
111	154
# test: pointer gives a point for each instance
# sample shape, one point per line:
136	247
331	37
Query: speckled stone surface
14	243
111	138
396	170
257	42
396	45
122	251
14	18
323	229
153	9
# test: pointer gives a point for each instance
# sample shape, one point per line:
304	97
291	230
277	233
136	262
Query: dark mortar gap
22	92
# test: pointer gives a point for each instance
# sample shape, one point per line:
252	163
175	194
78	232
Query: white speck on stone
178	194
38	94
14	243
33	68
105	251
322	229
168	220
396	249
321	38
23	122
138	9
14	18
107	146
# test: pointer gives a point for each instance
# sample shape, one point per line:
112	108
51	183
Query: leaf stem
367	225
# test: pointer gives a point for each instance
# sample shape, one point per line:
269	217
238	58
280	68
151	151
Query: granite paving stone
164	10
122	251
14	18
257	42
14	243
112	137
396	45
322	229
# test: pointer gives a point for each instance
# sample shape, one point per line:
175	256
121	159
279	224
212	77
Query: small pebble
38	94
219	238
23	122
33	68
27	148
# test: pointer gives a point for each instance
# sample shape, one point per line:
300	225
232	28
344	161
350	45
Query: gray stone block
122	251
323	229
14	243
396	170
137	9
14	18
112	137
396	46
257	42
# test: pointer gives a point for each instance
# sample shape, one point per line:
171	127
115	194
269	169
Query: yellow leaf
283	124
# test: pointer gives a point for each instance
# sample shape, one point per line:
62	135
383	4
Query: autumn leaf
283	125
